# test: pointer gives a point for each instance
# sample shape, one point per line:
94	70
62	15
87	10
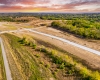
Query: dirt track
94	44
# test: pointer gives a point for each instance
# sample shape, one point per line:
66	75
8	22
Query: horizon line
49	12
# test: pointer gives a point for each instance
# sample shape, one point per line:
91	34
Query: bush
62	66
84	72
95	76
43	50
37	55
22	41
34	46
47	65
27	43
70	72
55	24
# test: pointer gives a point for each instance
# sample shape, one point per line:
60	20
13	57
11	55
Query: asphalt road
7	69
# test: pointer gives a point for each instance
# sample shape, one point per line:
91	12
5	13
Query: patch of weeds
70	72
37	55
43	50
34	46
27	43
42	62
54	73
47	65
22	41
56	70
62	66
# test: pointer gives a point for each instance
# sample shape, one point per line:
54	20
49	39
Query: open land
32	56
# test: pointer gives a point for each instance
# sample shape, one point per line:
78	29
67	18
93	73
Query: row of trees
65	16
83	28
56	16
11	19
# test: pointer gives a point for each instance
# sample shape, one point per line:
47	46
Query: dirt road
7	69
89	58
67	41
91	43
82	52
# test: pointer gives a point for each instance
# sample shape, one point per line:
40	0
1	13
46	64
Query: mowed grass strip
2	69
23	64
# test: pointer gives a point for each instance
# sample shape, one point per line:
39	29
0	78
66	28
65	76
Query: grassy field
34	60
25	62
2	70
5	26
9	27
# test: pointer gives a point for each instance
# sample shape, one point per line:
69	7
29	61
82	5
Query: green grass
66	62
73	67
9	27
2	69
27	64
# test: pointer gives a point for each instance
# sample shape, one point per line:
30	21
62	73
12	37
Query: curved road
7	69
67	41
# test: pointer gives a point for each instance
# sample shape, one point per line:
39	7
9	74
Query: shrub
62	66
47	65
55	24
43	50
34	46
22	41
37	55
95	76
69	72
84	72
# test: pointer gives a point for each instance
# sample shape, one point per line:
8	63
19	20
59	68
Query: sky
49	5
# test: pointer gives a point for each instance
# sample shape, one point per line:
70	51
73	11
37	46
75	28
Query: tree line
81	28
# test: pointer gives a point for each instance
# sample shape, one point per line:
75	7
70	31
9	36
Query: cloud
88	7
50	5
82	5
